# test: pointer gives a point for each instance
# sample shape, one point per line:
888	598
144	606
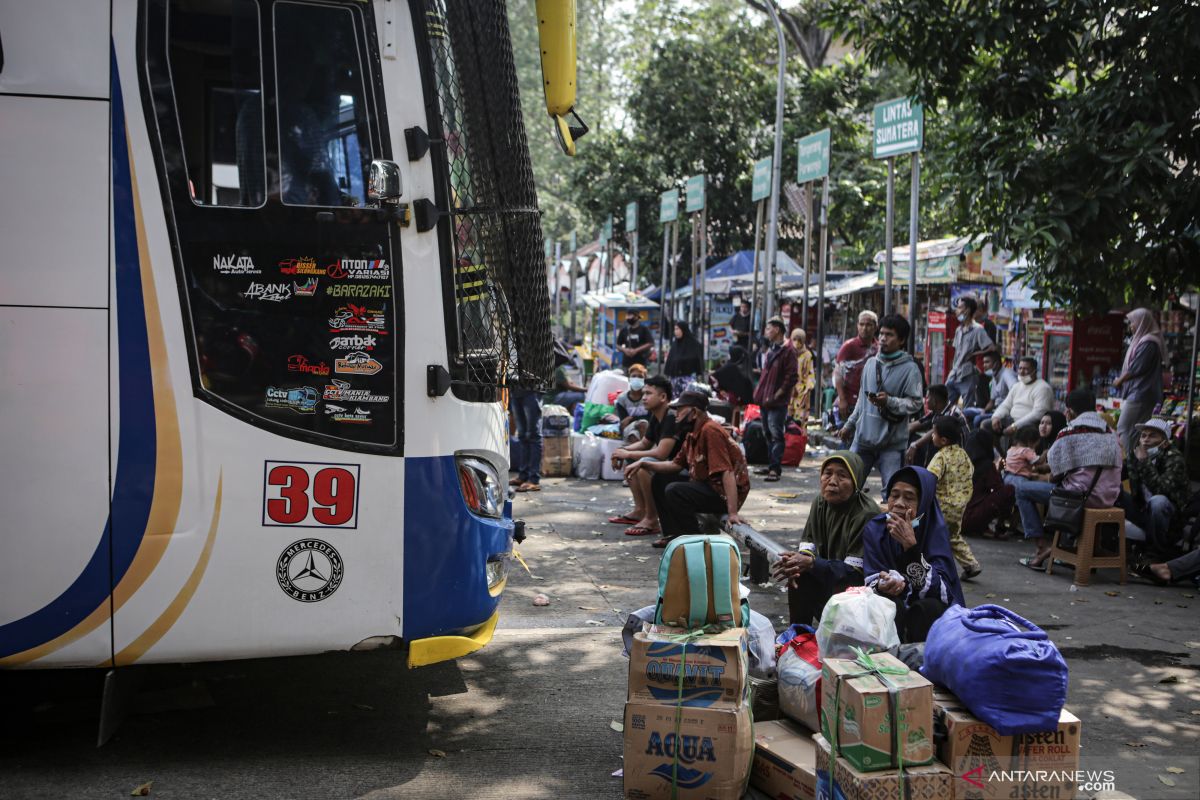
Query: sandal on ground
624	519
1033	563
515	481
771	477
763	471
661	542
638	530
529	487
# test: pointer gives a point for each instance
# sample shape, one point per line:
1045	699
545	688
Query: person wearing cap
830	556
717	481
634	340
1158	487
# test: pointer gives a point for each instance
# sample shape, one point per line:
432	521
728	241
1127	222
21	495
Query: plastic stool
1084	557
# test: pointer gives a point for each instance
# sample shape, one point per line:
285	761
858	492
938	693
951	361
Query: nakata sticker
358	318
300	266
235	265
272	292
355	342
359	290
340	391
309	495
302	400
306	288
300	363
356	364
359	269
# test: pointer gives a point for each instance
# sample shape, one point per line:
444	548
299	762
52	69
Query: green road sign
549	245
631	217
899	128
606	231
813	163
572	248
760	189
695	193
668	206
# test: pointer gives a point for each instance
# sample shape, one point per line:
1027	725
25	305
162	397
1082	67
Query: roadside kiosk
606	312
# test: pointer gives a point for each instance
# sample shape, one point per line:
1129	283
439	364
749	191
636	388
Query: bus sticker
308	495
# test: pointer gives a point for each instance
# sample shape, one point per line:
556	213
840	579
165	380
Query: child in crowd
1020	462
954	470
937	401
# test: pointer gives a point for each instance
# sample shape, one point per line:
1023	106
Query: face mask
636	384
1153	451
961	317
1027	379
991	373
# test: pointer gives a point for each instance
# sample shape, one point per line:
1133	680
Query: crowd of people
979	455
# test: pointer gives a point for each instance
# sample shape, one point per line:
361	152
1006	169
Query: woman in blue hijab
907	556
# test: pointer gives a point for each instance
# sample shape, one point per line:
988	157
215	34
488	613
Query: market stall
606	315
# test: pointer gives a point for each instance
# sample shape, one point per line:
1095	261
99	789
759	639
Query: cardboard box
785	761
714	669
715	747
837	779
973	748
864	734
556	457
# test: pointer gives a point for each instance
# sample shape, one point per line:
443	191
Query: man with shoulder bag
889	394
1086	462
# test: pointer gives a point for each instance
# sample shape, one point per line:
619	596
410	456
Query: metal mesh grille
501	304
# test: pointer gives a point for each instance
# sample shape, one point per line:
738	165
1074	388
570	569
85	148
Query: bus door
268	114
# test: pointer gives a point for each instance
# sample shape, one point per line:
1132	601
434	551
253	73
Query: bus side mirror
383	181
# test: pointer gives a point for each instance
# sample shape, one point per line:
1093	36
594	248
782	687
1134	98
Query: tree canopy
1069	131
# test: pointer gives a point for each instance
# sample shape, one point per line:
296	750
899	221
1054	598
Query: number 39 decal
306	495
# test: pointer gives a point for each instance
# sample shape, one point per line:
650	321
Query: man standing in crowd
774	393
661	443
1026	402
970	342
1002	379
717	481
1158	484
1087	460
850	360
634	340
889	394
741	326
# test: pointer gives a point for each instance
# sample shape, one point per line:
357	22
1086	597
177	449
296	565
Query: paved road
529	716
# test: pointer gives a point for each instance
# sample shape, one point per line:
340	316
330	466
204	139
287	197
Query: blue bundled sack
1003	668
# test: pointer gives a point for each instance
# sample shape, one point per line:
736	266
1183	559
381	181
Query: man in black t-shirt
634	340
741	326
661	442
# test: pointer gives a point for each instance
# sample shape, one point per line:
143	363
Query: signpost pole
913	227
823	257
808	212
633	246
674	267
888	243
695	236
571	295
558	289
777	162
754	327
662	294
704	304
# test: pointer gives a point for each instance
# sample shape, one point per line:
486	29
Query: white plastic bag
603	384
798	684
858	617
587	459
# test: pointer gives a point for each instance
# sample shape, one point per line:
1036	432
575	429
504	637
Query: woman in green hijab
830	556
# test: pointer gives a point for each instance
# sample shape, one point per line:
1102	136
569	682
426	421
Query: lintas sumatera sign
760	188
668	206
899	128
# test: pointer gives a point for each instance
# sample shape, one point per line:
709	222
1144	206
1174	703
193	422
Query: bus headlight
481	487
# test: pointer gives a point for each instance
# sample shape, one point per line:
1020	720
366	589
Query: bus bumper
422	652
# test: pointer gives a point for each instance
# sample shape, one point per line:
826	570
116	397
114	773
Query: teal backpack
698	584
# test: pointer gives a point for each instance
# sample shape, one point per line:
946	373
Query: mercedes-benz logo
309	570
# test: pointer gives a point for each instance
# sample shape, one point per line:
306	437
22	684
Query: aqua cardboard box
713	666
704	753
785	761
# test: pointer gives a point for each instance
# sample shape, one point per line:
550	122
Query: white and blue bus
267	268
